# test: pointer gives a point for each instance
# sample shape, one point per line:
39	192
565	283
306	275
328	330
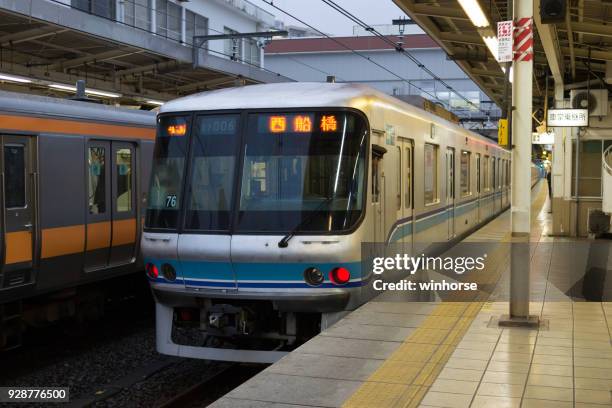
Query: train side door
378	195
99	205
450	190
18	198
478	218
124	228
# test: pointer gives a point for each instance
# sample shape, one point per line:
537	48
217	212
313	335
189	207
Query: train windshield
283	172
302	171
169	157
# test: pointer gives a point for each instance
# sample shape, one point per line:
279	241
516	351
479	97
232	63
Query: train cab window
431	173
123	160
169	158
14	176
214	148
97	180
302	172
465	175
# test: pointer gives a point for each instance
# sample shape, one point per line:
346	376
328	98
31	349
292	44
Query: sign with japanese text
505	30
568	117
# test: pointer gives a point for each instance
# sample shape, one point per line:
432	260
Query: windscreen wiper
284	243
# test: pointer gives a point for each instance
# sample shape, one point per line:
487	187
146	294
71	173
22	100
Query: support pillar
521	185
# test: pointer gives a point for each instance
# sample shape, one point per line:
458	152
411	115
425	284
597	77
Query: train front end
254	226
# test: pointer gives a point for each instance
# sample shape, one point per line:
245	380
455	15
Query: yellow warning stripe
405	377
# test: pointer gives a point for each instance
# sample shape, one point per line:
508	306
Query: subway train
261	197
71	202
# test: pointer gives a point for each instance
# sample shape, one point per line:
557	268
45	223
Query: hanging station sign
505	30
567	117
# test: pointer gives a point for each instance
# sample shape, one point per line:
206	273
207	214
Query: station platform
396	353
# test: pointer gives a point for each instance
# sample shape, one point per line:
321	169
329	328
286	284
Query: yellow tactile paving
404	379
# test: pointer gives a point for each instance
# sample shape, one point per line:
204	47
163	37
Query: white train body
415	178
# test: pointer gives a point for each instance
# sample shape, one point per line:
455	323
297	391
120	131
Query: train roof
12	102
300	95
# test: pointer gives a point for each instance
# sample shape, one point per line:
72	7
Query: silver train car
261	198
70	204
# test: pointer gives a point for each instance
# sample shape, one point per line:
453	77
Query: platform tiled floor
393	353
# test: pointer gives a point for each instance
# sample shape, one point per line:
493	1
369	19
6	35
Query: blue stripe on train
267	273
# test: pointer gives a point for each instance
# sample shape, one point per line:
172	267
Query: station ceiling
565	51
49	45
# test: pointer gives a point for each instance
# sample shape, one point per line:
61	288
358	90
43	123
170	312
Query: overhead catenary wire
362	55
400	49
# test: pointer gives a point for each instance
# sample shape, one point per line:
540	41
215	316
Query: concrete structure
313	59
137	49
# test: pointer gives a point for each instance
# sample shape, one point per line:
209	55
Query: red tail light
152	270
339	276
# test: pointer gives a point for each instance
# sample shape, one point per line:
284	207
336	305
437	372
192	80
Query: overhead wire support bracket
200	40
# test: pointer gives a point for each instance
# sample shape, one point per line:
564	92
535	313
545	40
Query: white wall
221	15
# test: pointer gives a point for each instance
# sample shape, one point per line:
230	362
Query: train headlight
313	276
152	270
339	276
168	271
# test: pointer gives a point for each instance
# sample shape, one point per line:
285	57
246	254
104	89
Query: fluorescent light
66	88
154	102
13	78
95	92
492	45
474	12
102	93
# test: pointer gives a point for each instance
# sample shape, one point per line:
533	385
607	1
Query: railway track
209	390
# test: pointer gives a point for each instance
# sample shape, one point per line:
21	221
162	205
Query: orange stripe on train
62	241
73	127
18	247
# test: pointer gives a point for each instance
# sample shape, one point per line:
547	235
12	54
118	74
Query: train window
478	173
399	178
97	180
485	174
408	184
431	173
302	172
499	173
123	160
493	173
212	173
508	173
375	178
166	188
465	176
14	176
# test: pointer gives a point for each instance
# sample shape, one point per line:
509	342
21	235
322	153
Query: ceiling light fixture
475	13
13	78
94	92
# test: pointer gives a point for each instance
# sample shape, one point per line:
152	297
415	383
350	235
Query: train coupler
225	320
